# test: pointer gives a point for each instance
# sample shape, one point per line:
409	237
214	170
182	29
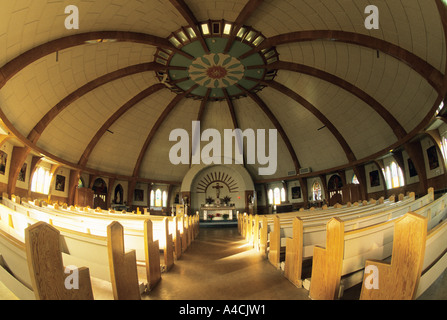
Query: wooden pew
80	248
318	213
275	243
152	251
325	281
311	236
48	275
399	279
14	272
92	224
435	258
169	247
177	239
294	254
314	231
348	251
321	220
418	259
123	266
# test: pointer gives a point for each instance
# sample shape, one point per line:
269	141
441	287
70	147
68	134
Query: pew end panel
46	267
294	254
169	247
399	279
152	252
275	243
123	266
327	263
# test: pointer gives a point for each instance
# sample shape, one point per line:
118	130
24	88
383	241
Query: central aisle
219	265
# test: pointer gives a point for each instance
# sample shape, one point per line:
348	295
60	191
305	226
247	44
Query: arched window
394	176
41	181
152	198
355	180
283	195
316	191
276	196
270	196
387	174
165	199
158	200
444	148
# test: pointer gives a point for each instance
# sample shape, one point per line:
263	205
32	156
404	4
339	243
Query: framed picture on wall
60	183
3	160
432	155
139	195
22	173
374	178
296	193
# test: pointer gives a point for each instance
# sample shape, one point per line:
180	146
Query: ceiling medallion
219	68
216	71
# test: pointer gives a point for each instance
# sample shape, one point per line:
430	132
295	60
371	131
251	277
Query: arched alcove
203	181
100	194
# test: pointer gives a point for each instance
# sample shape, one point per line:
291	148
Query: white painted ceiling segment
414	25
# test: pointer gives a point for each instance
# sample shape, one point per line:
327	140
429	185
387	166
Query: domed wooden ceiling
105	97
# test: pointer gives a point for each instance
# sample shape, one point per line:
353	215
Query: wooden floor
220	266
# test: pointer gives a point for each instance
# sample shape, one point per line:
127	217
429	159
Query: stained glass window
316	191
270	196
276	196
41	181
152	198
158	202
394	176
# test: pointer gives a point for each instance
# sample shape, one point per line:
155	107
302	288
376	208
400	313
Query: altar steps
218	224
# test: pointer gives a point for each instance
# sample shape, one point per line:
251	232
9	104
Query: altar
217	209
216	212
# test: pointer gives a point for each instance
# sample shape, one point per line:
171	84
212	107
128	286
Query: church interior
211	150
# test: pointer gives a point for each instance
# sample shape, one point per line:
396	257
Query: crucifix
217	187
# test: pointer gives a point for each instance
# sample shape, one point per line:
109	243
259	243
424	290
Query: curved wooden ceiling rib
203	105
427	71
262	105
43	123
317	113
231	109
120	112
442	8
397	128
17	64
157	125
200	114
